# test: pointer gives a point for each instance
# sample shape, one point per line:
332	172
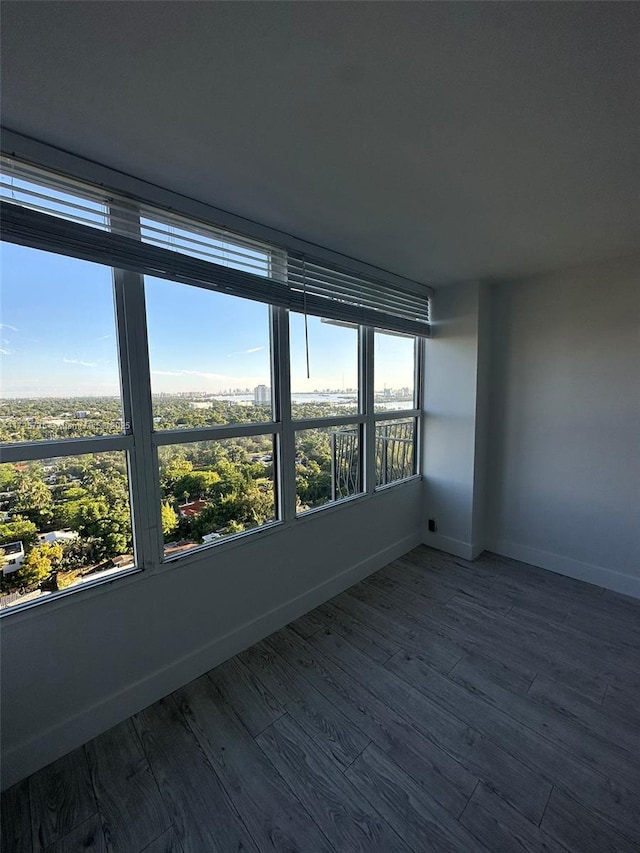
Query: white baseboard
457	547
23	759
616	581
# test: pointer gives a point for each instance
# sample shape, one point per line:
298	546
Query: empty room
320	427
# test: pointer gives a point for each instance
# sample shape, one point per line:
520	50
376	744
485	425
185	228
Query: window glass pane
327	465
60	373
215	489
394	371
333	362
395	450
63	521
209	356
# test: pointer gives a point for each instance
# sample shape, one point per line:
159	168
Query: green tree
32	498
109	524
197	484
20	529
37	566
169	519
173	470
78	554
7	476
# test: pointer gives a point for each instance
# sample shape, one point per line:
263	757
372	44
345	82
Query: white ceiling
441	141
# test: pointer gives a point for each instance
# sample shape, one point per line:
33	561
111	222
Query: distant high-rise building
261	395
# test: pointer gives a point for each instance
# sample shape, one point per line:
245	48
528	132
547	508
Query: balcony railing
394	448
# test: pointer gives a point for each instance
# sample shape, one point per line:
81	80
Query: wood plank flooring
438	705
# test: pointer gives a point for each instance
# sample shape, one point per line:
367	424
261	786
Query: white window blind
35	189
60	215
341	295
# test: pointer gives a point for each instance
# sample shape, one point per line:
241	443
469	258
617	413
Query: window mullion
282	400
368	398
136	388
420	371
29	451
214	433
145	489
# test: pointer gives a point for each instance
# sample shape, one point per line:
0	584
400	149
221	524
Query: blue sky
57	336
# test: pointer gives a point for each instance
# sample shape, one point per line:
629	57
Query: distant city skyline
58	337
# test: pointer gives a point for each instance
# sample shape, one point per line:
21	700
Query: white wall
72	668
455	368
564	423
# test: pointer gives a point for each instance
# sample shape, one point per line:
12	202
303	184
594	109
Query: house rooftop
12	548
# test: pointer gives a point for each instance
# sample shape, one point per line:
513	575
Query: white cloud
245	351
4	351
199	373
204	375
7	326
104	337
81	363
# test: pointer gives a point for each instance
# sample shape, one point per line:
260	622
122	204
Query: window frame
141	441
414	413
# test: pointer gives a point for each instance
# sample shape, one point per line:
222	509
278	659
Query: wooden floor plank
449	585
541	579
445	779
201	812
166	843
131	808
417	818
345	816
612	726
621	634
619	663
624	702
606	796
511	674
365	637
620	605
319	718
85	838
61	797
593	749
476	631
15	818
306	625
527	596
484	758
277	821
503	829
377	610
580	830
248	697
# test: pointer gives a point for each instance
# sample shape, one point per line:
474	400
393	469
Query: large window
189	392
211	490
209	355
65	515
60	372
396	385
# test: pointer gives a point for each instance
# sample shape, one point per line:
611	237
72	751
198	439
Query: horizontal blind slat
331	283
